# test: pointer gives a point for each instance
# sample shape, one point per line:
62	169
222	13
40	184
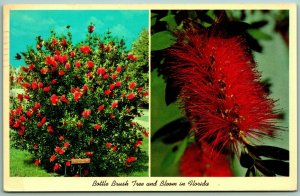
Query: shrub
79	102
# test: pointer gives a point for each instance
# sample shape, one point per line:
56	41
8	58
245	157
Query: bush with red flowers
78	101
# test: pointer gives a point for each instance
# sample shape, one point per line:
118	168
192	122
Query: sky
26	25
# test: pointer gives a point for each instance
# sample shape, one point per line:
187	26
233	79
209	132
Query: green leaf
257	34
181	149
170	20
269	151
276	166
168	160
246	160
162	40
153	21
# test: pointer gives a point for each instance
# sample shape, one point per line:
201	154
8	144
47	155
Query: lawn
21	162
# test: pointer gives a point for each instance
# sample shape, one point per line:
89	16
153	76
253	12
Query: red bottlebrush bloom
47	89
90	64
37	162
22	118
114	76
108	145
220	89
197	161
64	42
105	76
49	60
24	68
91	28
77	64
79	124
130	159
101	71
77	95
57	149
86	113
66	144
61	152
62	59
146	93
97	127
20	97
56	167
61	138
64	99
114	104
52	158
85	49
146	134
54	41
34	85
72	54
112	86
101	107
54	99
45	70
119	69
54	81
130	96
26	85
61	73
35	146
136	144
26	97
140	89
21	132
43	120
40	84
68	163
37	106
132	85
38	114
107	92
67	66
85	88
114	148
118	84
31	67
50	129
90	154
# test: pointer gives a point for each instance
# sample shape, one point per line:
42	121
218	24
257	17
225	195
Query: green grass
21	162
21	165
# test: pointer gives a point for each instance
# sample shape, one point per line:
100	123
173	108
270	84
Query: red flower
28	113
35	146
26	97
90	64
114	76
52	158
114	148
56	167
68	163
105	76
37	162
146	134
22	118
132	85
64	42
140	89
47	89
61	138
20	97
77	95
132	57
118	84
107	92
139	142
50	129
21	132
119	69
24	68
67	66
41	85
26	85
43	120
146	93
130	159
89	75
114	104
197	161
131	96
54	99
85	87
85	49
72	54
61	73
112	86
31	67
97	127
54	81
57	149
44	70
64	99
101	71
34	85
86	113
112	116
61	152
66	144
49	60
77	64
54	41
91	28
62	59
90	154
79	124
108	145
101	107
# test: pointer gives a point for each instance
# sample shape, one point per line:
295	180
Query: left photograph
79	93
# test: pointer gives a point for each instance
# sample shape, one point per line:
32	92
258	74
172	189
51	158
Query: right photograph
220	93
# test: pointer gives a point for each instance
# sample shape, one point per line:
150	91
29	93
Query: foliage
79	102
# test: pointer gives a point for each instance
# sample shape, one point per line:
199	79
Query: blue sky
26	25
